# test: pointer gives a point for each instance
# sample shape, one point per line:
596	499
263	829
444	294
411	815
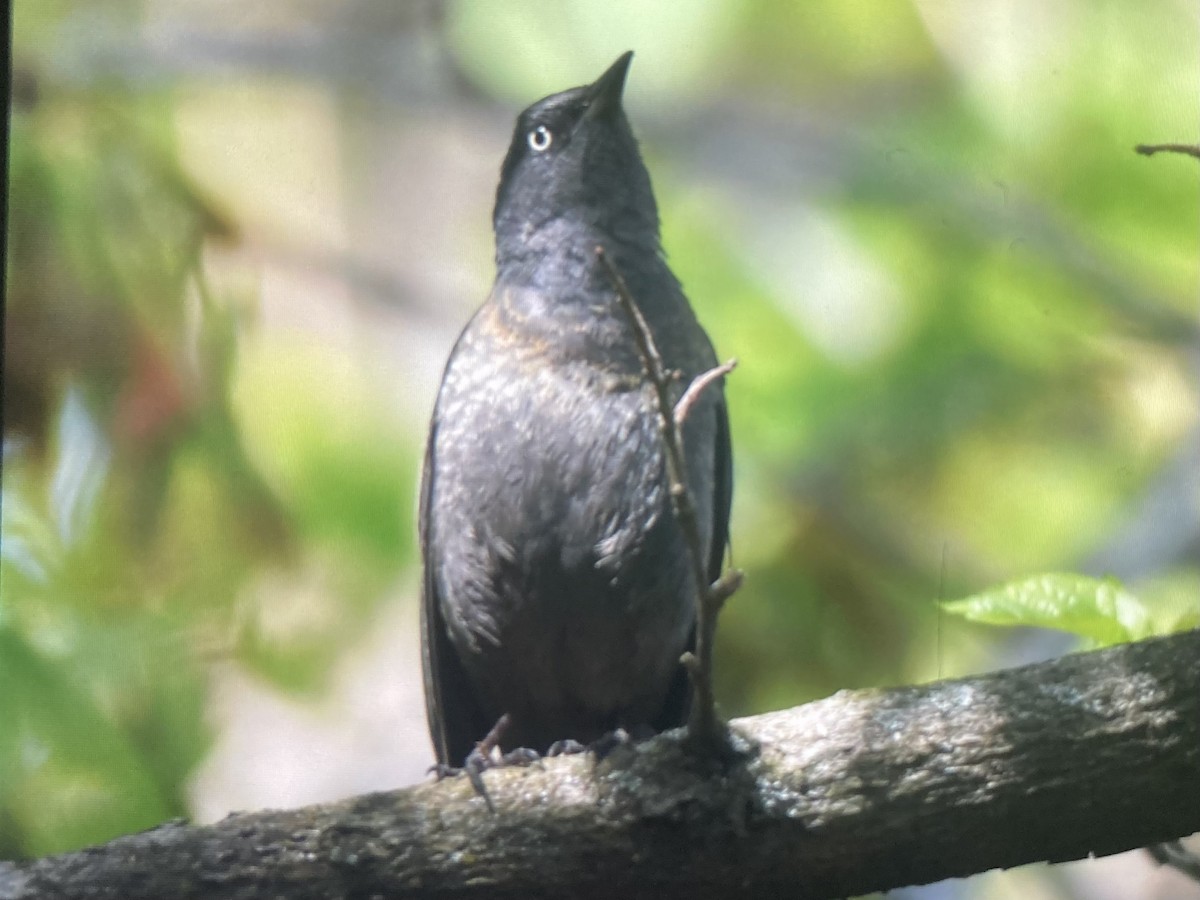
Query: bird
558	594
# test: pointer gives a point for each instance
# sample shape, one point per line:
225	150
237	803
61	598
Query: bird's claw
607	743
566	747
486	755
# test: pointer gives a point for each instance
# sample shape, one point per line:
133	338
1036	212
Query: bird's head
573	168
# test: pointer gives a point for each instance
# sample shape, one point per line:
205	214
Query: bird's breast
559	561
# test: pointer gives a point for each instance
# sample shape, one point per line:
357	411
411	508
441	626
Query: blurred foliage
964	311
171	477
964	318
1034	374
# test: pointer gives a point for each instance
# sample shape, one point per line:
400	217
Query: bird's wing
455	720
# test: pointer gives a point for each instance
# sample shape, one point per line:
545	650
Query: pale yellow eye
540	138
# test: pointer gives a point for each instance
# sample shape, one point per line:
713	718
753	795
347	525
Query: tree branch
1089	754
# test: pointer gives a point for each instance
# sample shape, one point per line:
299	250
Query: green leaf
1101	610
1173	600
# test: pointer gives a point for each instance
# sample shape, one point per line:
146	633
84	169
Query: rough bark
1089	754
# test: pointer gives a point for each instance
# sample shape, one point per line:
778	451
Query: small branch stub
697	387
1185	149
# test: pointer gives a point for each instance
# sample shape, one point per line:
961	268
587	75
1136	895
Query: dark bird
557	584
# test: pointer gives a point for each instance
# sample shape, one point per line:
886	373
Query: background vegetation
241	239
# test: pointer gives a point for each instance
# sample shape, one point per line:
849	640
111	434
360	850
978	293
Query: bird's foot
487	755
607	743
620	737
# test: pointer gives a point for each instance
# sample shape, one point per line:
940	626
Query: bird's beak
604	94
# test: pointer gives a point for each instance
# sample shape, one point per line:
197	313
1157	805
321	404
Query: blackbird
558	592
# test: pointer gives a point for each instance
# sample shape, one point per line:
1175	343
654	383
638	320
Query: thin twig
1151	149
696	388
704	727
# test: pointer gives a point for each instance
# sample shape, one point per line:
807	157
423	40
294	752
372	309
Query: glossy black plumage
557	587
